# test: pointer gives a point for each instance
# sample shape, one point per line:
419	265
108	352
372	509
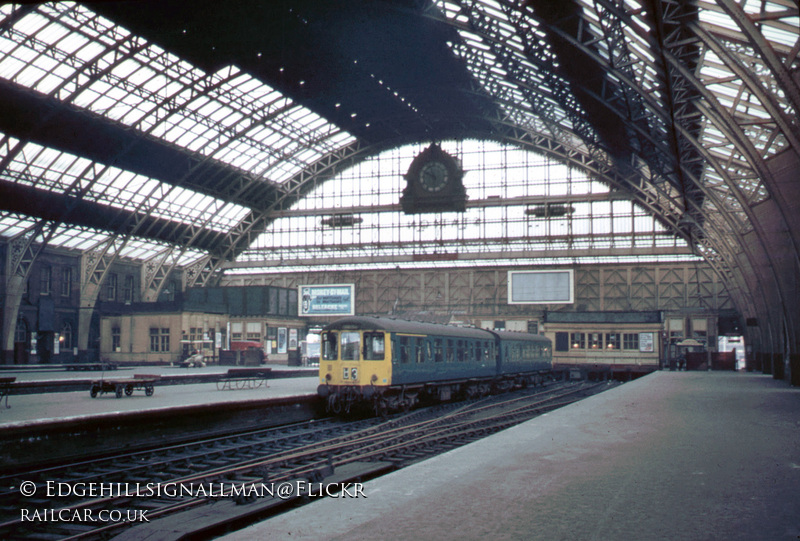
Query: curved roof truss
180	146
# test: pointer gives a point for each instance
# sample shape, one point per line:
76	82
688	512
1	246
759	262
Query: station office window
700	328
630	340
253	330
612	340
112	287
66	336
578	340
159	339
127	289
595	340
562	341
66	281
116	339
45	280
675	326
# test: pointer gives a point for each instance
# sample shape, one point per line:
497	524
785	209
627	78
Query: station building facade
690	302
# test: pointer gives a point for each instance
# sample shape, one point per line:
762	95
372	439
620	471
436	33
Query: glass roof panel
519	203
59	172
133	91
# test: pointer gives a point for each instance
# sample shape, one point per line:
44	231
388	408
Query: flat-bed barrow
127	386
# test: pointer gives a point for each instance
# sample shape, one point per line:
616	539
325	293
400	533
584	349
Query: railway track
242	476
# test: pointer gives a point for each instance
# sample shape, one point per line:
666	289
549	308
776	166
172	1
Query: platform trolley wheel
119	390
128	390
149	390
93	391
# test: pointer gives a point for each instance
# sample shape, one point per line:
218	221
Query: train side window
451	354
461	353
329	347
418	351
350	342
428	351
438	350
374	346
404	353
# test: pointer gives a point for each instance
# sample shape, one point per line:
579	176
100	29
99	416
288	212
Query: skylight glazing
66	50
520	204
59	172
83	239
503	63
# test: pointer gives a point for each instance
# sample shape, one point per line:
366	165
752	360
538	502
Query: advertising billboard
541	287
326	300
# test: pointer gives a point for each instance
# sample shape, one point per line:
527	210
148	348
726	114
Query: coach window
428	351
374	346
418	351
438	350
329	347
461	353
350	345
451	353
404	353
578	340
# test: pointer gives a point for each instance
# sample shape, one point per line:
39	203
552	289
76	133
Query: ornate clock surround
434	183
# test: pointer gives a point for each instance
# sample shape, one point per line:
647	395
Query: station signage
646	342
326	300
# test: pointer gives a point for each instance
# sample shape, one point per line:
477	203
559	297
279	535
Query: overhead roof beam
29	115
61	208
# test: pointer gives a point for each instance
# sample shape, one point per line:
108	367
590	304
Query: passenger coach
392	364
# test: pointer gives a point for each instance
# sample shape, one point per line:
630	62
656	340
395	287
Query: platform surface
32	408
671	456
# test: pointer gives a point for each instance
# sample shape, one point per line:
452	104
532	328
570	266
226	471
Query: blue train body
392	363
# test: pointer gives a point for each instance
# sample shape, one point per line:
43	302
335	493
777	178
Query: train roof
406	326
514	335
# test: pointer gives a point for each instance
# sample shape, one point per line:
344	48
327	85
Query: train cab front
355	367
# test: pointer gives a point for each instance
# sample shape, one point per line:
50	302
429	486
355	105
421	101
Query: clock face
433	176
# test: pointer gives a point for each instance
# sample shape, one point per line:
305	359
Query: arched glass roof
523	209
674	109
65	51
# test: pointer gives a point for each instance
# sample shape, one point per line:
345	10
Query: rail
5	389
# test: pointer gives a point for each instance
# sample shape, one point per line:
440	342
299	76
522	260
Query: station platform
30	409
672	455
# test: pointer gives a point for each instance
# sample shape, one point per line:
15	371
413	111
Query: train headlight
328	377
374	378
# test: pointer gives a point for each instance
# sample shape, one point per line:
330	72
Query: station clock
434	183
